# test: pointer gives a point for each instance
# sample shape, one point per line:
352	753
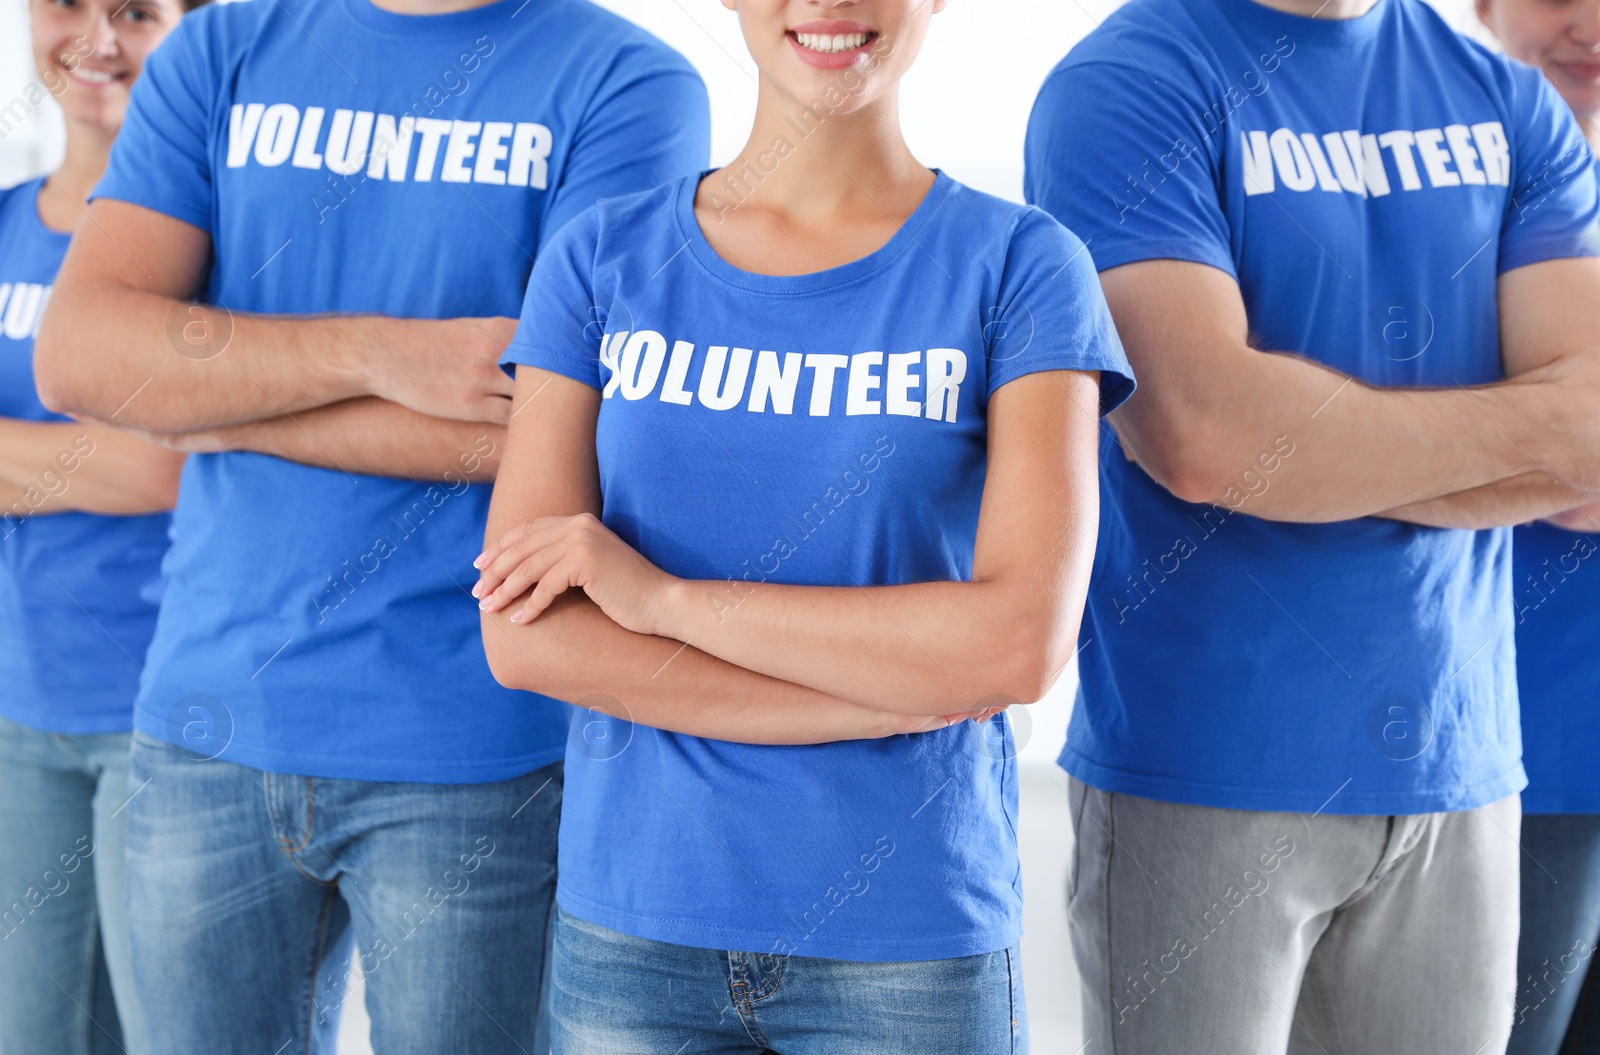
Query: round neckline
430	27
40	227
813	281
1307	29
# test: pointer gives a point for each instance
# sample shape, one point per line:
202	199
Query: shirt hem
1116	256
192	217
734	939
1556	803
543	358
1333	800
54	722
334	767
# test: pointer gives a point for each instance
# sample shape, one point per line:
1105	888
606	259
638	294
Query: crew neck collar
1303	28
431	27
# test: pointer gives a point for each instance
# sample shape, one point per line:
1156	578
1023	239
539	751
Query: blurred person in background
354	192
1353	257
83	526
1556	597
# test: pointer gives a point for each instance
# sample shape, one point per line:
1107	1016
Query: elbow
1033	659
1192	470
1179	448
502	656
508	648
1197	484
61	389
55	389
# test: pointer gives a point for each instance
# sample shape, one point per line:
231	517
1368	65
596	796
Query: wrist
674	606
356	348
1521	412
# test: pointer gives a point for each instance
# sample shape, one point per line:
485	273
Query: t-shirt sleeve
162	156
561	327
1554	208
647	129
1110	153
1052	314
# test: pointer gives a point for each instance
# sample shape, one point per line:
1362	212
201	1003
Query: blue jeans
242	882
66	984
614	994
1560	932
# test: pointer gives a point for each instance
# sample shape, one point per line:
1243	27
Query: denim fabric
66	985
614	994
241	882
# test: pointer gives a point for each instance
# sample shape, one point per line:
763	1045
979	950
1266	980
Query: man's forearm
370	436
181	366
1357	450
1213	412
121	342
1529	496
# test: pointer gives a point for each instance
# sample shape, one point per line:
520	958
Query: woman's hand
554	554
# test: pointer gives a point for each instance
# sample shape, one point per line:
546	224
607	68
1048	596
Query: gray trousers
1202	931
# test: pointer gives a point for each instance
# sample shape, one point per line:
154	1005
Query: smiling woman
83	525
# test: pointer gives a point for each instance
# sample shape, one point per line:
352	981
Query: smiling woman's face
89	52
834	56
1561	37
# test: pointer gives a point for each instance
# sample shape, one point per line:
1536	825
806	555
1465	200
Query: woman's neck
66	192
807	164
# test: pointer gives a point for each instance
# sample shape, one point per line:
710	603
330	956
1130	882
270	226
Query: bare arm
1209	405
1542	311
924	648
1529	496
120	340
575	652
366	435
55	467
1583	518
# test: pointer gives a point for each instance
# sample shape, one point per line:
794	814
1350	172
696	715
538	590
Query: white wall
33	145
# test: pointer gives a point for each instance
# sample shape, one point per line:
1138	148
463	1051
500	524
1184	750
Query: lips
93	78
1582	72
831	44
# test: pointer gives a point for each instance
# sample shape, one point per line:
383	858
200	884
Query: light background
965	109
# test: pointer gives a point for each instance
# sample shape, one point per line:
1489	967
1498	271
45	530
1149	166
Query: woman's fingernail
477	589
480	562
516	617
483	605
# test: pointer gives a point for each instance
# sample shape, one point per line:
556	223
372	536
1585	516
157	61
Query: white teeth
93	76
831	44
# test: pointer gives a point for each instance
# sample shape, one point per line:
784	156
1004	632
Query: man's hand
1584	518
121	340
1566	442
445	368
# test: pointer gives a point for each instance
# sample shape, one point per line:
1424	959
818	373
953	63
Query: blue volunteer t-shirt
347	159
825	429
1555	593
78	591
1366	181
